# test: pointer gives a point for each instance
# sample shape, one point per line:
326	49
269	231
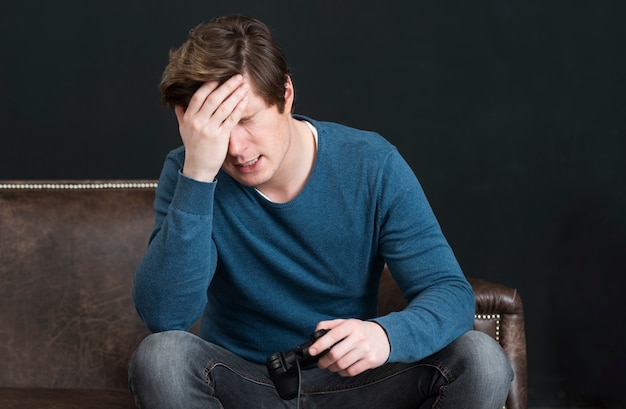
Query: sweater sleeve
440	299
171	281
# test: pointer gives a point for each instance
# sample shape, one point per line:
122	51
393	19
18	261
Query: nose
238	141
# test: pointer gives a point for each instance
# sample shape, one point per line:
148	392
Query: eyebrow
247	116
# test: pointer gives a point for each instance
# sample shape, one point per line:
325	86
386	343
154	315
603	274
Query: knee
162	354
486	359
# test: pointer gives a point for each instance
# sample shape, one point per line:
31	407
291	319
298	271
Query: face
259	144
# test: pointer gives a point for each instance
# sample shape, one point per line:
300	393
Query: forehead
255	101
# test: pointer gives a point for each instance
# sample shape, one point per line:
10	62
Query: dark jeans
176	369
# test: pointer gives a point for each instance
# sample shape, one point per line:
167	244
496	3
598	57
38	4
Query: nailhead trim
495	317
77	186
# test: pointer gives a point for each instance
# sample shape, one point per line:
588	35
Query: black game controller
284	367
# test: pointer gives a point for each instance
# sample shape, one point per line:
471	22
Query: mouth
249	163
248	167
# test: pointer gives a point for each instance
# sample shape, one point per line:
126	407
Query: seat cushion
43	398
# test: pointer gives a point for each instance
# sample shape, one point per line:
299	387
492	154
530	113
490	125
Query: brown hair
221	48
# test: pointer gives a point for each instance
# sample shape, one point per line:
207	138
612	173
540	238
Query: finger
216	100
355	369
199	97
339	351
341	358
338	330
231	109
235	116
330	324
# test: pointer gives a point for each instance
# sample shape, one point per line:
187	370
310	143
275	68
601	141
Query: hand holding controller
284	367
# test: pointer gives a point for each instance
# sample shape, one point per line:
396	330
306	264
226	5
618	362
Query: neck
297	166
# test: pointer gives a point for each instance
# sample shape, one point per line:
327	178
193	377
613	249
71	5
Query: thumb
180	112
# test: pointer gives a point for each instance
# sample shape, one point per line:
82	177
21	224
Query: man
270	226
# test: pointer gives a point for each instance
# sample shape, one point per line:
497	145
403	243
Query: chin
248	180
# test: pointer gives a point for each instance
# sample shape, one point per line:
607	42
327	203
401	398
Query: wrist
206	176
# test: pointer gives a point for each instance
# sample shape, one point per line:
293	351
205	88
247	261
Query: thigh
241	384
393	385
177	369
471	372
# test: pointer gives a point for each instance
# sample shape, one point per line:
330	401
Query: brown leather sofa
68	250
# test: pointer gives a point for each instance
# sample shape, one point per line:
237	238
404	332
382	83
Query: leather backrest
67	258
68	251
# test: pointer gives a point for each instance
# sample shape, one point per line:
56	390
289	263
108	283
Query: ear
290	94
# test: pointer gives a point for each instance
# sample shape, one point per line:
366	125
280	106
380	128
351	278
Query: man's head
221	48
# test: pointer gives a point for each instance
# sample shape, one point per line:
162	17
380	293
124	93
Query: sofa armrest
498	300
499	313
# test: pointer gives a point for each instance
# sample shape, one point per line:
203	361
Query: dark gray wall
512	114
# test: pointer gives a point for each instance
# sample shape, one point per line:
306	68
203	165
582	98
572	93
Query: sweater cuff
192	196
395	344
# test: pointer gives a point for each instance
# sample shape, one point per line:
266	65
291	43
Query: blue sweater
262	274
